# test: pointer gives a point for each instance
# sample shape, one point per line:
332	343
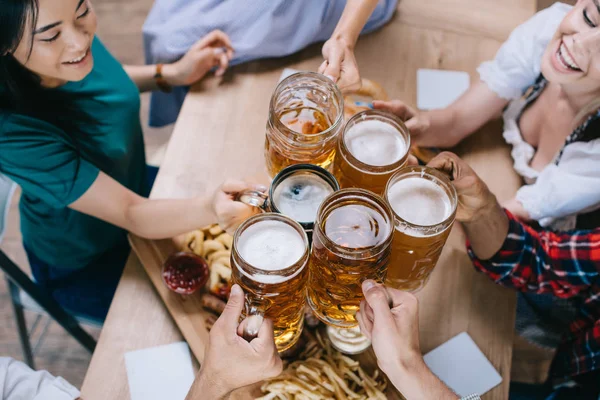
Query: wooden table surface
220	135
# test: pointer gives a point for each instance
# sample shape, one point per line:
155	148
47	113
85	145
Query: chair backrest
7	190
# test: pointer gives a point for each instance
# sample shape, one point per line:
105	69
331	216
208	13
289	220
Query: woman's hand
474	197
230	361
211	51
418	123
230	213
340	64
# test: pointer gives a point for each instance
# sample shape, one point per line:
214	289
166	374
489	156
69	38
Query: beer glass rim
329	85
372	198
269	216
375	169
438	177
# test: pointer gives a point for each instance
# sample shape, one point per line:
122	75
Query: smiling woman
70	136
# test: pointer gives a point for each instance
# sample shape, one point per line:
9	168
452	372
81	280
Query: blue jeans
88	291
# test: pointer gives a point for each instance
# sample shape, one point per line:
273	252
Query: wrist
208	386
169	73
347	41
408	373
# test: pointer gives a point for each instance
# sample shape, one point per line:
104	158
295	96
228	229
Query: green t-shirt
54	168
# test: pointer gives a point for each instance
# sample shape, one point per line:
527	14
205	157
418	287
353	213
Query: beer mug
297	191
351	242
373	145
306	115
269	260
424	202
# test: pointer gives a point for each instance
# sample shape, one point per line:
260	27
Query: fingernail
368	285
330	77
261	188
236	290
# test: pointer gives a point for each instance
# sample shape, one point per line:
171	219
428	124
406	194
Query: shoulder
18	130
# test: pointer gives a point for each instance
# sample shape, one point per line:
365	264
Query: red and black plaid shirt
565	264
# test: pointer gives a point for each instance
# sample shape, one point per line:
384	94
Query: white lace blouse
570	185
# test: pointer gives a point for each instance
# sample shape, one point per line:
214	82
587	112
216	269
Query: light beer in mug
424	202
373	145
269	261
306	115
351	242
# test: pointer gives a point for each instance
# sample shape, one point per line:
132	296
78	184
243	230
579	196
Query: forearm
206	388
416	381
143	76
477	106
355	16
161	219
487	231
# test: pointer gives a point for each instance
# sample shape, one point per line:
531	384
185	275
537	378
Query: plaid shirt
565	264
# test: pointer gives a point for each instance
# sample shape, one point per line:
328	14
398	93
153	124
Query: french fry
211	246
215	230
226	239
323	373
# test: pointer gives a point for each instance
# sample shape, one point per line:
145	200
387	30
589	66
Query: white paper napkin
462	366
438	89
159	373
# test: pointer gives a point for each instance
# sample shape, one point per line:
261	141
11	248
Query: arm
230	361
564	264
338	52
448	126
390	319
353	19
513	254
110	201
18	381
211	51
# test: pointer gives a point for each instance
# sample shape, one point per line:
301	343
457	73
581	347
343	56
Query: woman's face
573	54
60	42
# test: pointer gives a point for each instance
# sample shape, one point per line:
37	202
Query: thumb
231	315
377	298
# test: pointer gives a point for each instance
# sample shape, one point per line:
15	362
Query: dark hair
21	91
16	82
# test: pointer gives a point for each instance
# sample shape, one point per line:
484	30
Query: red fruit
185	273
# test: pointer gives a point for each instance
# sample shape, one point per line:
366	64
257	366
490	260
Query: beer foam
300	196
419	201
270	246
375	143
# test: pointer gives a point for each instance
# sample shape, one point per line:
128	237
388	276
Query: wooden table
220	134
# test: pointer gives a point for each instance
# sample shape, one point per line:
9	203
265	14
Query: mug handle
254	198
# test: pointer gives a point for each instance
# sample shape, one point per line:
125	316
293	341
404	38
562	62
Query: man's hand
474	197
390	318
230	361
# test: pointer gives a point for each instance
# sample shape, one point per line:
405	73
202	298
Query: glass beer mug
269	260
297	191
351	242
424	202
306	115
373	145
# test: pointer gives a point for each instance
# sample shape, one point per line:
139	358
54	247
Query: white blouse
19	382
560	191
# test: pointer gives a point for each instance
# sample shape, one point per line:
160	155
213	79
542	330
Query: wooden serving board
190	316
